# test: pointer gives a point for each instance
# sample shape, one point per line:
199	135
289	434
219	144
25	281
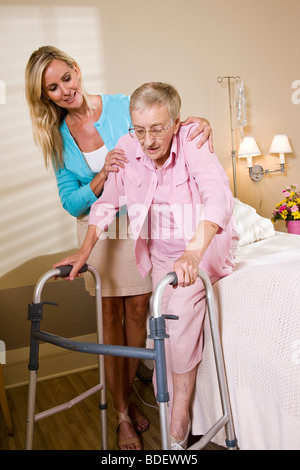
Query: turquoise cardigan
73	180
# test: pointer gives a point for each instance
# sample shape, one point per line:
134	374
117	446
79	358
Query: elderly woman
77	133
180	210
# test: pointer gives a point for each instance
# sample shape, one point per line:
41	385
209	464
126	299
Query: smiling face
61	84
156	148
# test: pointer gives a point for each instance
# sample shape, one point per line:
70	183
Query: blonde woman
77	133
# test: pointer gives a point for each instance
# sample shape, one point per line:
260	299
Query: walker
157	354
226	419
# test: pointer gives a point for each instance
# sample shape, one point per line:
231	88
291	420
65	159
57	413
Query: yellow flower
289	207
296	215
281	203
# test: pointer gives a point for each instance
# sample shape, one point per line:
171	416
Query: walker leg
101	364
227	419
31	408
103	404
35	310
164	426
158	334
231	441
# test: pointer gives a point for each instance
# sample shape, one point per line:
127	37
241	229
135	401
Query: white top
96	159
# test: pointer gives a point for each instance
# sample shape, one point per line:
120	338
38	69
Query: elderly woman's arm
213	185
187	266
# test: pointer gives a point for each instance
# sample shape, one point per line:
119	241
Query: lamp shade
280	144
248	147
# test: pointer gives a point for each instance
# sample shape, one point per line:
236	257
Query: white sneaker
176	444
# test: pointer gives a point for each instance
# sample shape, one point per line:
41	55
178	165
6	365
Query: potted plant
289	209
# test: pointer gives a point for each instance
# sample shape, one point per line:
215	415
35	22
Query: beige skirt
114	259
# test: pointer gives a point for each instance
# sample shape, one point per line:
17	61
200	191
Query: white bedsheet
259	319
281	249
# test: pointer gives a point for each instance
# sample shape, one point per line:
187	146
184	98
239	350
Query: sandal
124	416
137	418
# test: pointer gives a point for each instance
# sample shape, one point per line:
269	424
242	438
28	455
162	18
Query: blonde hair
156	93
46	116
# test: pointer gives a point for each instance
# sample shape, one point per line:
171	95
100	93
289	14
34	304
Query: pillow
250	226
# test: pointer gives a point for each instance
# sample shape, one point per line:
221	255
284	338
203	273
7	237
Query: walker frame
157	354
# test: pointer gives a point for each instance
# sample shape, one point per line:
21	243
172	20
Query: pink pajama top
193	185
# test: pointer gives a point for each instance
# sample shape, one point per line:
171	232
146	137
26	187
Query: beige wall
121	44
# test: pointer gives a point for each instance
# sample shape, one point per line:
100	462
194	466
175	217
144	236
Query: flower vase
293	226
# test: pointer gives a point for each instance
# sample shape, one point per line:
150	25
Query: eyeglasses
157	132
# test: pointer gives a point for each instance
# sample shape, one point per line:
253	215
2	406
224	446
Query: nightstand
4	404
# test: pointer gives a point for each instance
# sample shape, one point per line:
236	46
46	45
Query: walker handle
65	270
175	278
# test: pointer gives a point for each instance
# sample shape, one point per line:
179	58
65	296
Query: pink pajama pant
185	343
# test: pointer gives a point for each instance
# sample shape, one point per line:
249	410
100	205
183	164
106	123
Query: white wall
33	222
121	44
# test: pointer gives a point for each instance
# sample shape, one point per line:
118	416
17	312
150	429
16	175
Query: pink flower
286	193
282	208
294	208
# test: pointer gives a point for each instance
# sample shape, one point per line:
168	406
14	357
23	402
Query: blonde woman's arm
80	257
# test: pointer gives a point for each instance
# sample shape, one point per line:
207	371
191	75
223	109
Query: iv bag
240	106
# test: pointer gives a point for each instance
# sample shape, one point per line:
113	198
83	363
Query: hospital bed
258	311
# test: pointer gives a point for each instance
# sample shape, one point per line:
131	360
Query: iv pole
233	152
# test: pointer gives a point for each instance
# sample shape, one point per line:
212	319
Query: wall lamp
249	149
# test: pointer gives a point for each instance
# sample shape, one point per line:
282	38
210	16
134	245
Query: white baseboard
53	362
